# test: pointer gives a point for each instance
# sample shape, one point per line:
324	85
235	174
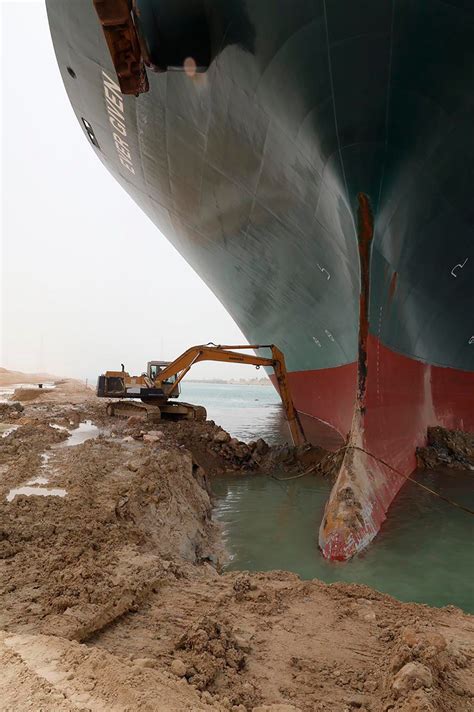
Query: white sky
70	303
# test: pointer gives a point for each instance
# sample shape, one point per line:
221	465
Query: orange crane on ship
161	383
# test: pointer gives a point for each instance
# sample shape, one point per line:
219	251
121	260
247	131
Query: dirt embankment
111	596
43	387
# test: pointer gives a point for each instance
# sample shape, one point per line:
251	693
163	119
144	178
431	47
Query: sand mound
58	674
9	378
29	394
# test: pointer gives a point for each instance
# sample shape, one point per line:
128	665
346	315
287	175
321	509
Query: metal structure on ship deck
253	169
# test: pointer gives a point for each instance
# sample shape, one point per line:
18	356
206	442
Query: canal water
247	412
424	552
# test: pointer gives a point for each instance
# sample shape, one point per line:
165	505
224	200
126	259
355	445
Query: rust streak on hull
366	233
123	43
347	525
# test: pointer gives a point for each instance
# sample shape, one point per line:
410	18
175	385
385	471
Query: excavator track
170	411
126	408
200	413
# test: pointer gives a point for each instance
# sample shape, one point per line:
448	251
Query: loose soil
447	448
112	597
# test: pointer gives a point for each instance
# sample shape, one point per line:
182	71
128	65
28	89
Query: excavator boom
230	354
177	369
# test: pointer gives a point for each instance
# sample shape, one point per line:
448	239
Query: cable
295	477
390	467
411	479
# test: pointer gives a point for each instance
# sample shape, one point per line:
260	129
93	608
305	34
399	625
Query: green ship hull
253	161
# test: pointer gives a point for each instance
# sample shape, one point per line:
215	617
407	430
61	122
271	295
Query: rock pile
237	454
215	450
11	411
209	647
447	448
212	658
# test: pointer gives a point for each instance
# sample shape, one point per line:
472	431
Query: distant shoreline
232	381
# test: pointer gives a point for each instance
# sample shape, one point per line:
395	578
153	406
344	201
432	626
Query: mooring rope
390	467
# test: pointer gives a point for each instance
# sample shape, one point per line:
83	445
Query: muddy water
36	491
84	431
424	552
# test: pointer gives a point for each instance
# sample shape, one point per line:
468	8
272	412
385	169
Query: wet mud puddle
423	553
7	429
35	486
84	431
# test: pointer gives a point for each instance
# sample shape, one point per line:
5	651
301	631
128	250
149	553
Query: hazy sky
69	303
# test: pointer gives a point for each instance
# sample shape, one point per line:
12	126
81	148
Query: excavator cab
154	368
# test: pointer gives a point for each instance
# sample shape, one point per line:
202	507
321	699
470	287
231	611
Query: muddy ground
111	597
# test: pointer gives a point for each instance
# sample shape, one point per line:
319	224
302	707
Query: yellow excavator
162	381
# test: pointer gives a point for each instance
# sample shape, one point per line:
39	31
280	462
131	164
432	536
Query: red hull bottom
404	397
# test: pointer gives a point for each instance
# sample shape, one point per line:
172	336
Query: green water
424	552
247	412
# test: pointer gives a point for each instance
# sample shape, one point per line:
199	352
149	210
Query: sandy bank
110	596
26	387
8	377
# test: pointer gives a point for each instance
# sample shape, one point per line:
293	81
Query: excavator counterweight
162	382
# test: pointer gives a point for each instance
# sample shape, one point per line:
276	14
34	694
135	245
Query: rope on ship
390	467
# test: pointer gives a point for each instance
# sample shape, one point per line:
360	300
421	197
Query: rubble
420	669
447	448
11	410
410	677
210	649
216	452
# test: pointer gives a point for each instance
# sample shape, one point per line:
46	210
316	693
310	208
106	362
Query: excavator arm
231	354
